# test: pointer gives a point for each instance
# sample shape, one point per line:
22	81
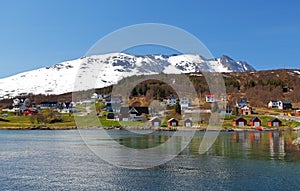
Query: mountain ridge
60	78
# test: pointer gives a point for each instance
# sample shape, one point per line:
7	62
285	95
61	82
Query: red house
172	122
239	122
188	123
30	111
275	122
155	122
255	121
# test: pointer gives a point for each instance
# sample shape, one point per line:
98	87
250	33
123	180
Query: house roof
172	119
134	109
274	120
184	98
254	118
153	118
239	118
243	100
188	119
31	109
286	102
49	102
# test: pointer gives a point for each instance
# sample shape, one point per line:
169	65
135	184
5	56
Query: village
169	113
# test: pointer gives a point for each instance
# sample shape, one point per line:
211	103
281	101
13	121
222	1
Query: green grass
111	123
16	121
291	124
92	121
24	121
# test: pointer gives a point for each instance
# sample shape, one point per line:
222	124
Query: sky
35	33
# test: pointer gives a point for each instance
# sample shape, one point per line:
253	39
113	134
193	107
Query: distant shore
38	128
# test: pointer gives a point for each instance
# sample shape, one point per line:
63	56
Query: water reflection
273	145
270	145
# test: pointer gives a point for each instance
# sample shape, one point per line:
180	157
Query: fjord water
60	160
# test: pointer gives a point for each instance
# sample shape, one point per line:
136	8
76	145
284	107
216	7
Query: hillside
263	86
259	87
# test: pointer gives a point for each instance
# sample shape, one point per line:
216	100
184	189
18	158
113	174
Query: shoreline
233	129
38	128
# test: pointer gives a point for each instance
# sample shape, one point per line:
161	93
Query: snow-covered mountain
108	69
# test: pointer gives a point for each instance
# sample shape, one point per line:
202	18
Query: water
60	160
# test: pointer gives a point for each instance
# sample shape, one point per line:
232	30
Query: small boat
259	128
230	130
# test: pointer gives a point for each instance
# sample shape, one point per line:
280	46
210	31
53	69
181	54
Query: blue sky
35	34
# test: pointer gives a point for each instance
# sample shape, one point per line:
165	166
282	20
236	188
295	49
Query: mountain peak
226	58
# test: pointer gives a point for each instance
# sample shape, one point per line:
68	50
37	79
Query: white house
273	104
282	105
184	103
113	104
246	110
210	98
94	96
16	102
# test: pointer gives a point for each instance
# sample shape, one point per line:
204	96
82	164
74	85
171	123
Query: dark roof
237	118
188	119
172	119
274	119
49	102
254	118
155	118
134	110
286	102
243	100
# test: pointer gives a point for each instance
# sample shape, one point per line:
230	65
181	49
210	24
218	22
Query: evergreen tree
134	92
178	108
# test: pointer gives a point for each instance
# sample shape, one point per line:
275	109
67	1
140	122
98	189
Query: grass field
28	121
91	120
